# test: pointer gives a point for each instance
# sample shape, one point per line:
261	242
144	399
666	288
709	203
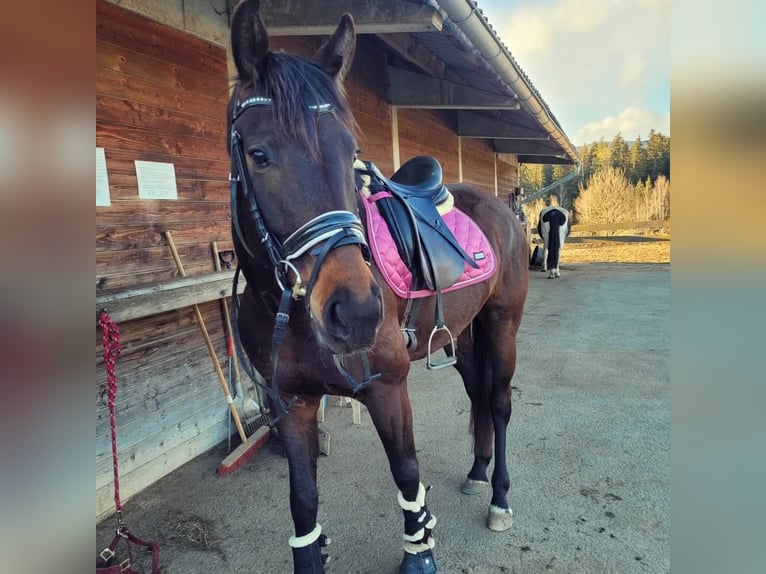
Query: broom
248	446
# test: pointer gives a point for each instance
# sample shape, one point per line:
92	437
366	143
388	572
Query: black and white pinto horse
554	227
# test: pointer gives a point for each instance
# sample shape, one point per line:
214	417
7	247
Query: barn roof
444	55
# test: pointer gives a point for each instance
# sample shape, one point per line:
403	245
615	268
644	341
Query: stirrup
451	357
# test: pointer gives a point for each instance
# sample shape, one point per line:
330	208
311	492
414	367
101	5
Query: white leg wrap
306	539
411	548
419	502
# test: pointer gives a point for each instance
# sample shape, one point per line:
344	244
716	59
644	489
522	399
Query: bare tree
609	198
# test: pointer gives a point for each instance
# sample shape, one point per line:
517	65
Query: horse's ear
337	54
249	40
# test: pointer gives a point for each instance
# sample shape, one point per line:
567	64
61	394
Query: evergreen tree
619	153
658	155
638	167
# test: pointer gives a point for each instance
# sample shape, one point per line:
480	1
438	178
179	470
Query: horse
295	208
554	227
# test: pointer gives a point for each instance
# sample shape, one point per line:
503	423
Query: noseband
333	228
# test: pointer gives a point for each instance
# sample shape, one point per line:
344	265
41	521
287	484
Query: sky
602	66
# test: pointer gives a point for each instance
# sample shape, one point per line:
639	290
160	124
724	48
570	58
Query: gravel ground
588	455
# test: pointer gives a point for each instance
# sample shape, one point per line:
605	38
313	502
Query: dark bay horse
554	227
299	238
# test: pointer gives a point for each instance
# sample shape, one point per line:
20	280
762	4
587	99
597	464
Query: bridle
317	237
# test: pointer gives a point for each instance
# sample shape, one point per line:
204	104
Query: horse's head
291	137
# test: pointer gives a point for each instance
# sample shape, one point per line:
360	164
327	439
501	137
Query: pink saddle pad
396	273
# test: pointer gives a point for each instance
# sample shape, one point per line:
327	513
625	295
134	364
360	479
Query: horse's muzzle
350	324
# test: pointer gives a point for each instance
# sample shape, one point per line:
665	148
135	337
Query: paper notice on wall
102	179
156	180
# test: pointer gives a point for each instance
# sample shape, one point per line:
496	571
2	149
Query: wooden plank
157	330
167	212
134	482
121	161
411	90
118	282
150	259
321	18
621	226
141	442
125	187
172	296
112	238
139	139
159	387
130	30
130	113
134	63
118	85
477	125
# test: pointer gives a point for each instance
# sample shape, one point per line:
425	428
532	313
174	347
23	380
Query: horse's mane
295	84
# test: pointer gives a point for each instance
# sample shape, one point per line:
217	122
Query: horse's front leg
389	407
299	433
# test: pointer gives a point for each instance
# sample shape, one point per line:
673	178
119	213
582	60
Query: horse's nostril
336	315
351	320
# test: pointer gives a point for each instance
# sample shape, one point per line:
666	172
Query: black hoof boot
309	559
420	563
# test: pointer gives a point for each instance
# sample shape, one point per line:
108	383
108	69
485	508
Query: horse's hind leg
477	481
300	436
487	365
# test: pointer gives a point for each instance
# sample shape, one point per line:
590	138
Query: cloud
591	58
632	68
631	122
532	27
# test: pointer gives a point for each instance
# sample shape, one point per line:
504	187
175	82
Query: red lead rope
110	340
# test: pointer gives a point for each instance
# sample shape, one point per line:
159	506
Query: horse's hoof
499	519
420	563
471	486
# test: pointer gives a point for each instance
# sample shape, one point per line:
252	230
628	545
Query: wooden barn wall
478	163
430	132
160	96
507	178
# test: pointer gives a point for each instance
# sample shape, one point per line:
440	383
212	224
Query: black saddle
425	243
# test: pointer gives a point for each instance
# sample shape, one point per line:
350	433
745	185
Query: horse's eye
260	158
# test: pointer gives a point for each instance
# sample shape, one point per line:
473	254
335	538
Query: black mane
295	84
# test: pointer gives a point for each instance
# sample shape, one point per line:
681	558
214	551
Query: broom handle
227	318
209	343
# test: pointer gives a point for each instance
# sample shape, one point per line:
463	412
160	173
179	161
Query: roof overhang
443	55
304	18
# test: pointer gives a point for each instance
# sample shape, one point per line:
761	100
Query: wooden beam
527	147
549	159
167	296
409	49
473	125
410	90
301	18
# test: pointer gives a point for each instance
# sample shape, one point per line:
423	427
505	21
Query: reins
317	237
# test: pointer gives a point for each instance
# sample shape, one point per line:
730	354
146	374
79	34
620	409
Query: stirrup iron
450	359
